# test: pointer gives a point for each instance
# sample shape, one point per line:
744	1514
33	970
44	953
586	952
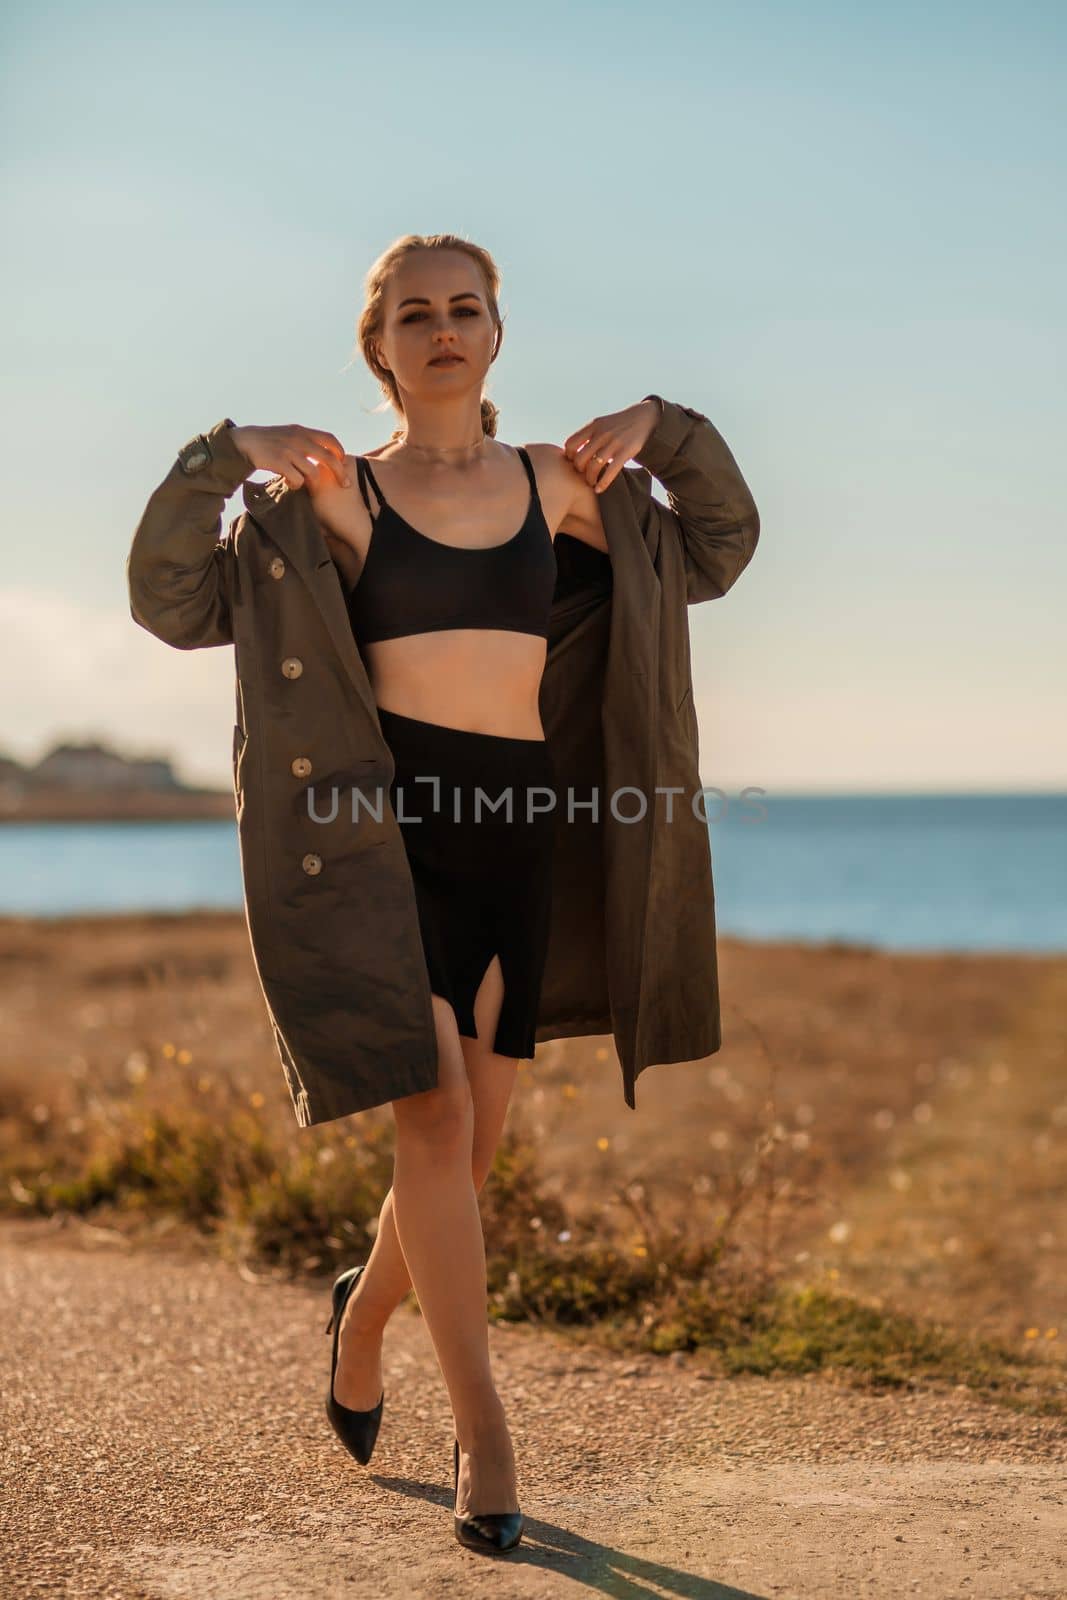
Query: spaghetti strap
363	472
529	470
412	583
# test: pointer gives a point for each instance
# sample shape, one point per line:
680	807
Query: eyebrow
420	300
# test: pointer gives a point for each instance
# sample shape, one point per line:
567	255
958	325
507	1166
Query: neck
448	434
448	455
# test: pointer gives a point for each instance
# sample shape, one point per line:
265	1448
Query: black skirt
477	812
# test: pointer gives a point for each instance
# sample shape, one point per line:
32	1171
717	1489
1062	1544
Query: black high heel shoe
491	1531
357	1430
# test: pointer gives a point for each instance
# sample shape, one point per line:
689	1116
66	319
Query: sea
935	872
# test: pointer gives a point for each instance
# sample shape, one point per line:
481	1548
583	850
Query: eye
461	311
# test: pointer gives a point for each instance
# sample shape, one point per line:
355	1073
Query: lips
446	361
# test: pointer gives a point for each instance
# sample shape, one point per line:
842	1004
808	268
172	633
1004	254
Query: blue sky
839	231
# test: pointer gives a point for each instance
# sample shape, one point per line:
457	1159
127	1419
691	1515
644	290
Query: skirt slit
483	879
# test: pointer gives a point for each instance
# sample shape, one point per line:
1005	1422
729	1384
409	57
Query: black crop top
411	583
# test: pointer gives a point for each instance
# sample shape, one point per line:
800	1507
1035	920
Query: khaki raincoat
329	901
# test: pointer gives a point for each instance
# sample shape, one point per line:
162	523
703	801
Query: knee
441	1117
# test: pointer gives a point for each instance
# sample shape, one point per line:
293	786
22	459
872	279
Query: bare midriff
481	680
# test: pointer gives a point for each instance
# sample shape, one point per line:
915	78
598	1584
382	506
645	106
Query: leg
386	1282
490	1079
435	1210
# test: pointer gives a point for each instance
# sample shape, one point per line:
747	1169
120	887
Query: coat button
312	864
277	567
292	666
300	767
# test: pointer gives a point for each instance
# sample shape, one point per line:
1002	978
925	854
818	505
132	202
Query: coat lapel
630	724
633	651
632	679
287	517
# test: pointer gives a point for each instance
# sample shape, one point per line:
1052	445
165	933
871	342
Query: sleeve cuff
226	470
667	437
225	455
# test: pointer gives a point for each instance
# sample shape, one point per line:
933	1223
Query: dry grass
869	1176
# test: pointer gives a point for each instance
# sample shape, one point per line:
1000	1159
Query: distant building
12	785
95	766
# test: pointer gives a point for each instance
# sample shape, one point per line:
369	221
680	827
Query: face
436	305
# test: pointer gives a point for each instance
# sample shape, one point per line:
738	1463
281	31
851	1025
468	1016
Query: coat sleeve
710	503
179	574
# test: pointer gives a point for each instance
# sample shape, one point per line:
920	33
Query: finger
581	452
317	466
293	470
579	437
328	441
596	456
600	473
330	446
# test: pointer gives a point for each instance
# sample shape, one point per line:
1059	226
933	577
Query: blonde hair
369	326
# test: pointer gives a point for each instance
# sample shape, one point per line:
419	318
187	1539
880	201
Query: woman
449	588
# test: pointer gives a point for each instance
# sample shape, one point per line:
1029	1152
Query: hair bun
490	412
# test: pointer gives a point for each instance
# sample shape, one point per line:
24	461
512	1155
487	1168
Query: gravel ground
164	1435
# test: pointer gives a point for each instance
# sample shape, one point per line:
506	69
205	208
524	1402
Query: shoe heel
492	1532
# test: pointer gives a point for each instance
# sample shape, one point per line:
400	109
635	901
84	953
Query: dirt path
164	1436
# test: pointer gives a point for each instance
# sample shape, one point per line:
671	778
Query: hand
601	448
296	453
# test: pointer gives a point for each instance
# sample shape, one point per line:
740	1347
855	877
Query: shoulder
342	515
549	456
575	505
